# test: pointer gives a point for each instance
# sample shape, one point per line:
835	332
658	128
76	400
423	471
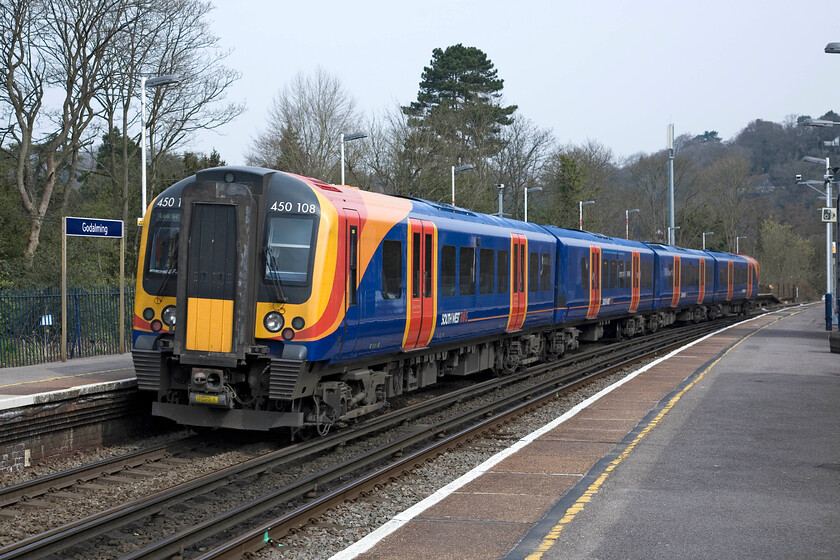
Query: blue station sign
94	227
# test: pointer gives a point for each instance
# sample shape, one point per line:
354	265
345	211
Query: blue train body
300	304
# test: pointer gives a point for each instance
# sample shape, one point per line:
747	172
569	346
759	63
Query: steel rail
60	538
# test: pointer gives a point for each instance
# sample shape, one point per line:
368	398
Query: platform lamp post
527	190
834	341
456	170
672	234
829	305
157	81
627	221
348	138
737	243
581	204
704	238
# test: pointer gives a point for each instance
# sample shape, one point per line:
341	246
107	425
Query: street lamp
532	189
832	48
581	204
627	222
737	245
829	306
456	170
348	138
704	238
151	82
672	234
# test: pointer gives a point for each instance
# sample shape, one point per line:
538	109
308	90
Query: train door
635	287
676	276
422	285
518	283
211	278
702	281
351	280
730	277
594	282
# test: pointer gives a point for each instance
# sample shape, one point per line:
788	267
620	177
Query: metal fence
30	324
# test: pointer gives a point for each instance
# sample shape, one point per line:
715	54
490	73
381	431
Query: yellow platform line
554	534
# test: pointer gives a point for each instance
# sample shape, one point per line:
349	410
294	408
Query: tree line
742	187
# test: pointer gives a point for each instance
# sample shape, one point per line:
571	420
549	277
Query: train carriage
685	283
605	278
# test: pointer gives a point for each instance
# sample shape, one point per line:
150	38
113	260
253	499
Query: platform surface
727	449
745	465
28	385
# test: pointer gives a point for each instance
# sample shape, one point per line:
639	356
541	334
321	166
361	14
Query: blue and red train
269	300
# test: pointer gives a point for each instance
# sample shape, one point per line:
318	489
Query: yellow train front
243	297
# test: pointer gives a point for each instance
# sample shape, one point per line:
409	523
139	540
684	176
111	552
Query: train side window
613	274
605	274
621	274
503	272
352	259
466	276
391	269
415	265
533	272
427	260
447	270
584	273
545	272
486	268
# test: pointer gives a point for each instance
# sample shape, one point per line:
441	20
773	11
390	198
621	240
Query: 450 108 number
299	207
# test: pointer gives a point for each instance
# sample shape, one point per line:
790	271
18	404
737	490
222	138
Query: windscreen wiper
275	276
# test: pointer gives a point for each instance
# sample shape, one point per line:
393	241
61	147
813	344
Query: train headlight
273	321
168	315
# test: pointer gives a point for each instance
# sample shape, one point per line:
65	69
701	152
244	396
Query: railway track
302	480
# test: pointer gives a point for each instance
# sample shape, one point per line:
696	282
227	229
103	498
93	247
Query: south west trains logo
453	318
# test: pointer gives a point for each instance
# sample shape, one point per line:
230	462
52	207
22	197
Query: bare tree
61	45
305	125
185	47
520	163
730	183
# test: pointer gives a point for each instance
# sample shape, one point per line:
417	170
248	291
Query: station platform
57	381
726	448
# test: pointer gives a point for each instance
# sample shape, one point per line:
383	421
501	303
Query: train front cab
242	244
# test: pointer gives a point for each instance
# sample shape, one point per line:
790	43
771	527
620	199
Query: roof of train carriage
448	211
672	250
724	256
585	238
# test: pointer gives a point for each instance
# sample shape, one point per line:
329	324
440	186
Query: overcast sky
612	71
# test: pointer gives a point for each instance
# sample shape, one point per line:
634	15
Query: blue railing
30	324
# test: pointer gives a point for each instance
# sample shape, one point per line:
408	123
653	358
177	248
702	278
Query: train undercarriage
308	398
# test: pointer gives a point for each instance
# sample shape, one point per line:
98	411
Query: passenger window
584	273
545	272
533	272
503	272
486	268
447	271
391	269
466	280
